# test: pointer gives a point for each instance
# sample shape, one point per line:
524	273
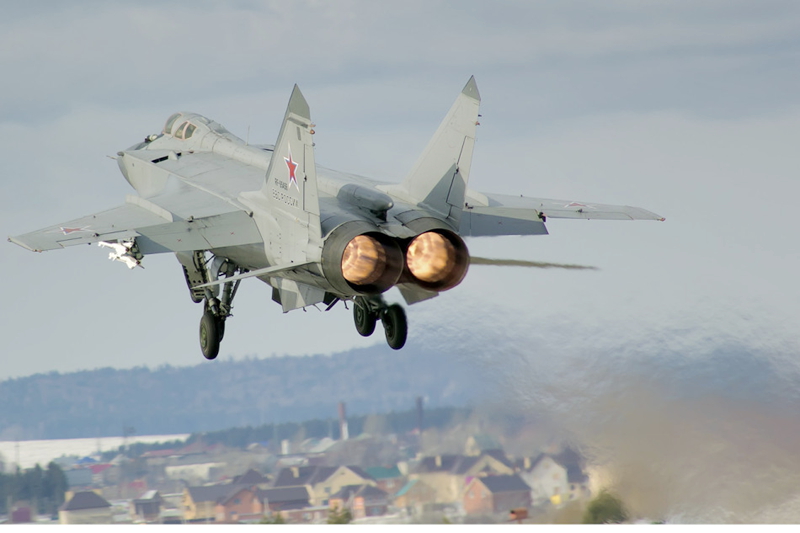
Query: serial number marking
281	184
284	198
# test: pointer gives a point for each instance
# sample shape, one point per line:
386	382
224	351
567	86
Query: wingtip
471	89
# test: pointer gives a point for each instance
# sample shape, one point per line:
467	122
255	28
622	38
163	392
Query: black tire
209	335
221	329
364	319
395	326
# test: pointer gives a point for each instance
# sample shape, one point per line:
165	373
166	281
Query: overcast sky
688	109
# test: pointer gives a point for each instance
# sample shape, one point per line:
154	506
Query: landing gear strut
368	309
216	310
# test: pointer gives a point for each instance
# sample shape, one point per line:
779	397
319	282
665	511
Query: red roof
96	469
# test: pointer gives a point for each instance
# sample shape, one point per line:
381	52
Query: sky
690	110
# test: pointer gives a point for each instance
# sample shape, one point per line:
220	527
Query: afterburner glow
363	261
431	257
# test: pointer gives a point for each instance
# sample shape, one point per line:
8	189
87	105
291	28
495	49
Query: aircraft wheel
221	328
364	319
209	335
395	326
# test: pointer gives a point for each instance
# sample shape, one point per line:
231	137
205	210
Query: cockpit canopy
183	130
183	125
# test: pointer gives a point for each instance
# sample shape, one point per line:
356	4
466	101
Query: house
388	479
85	507
322	481
555	478
496	494
195	473
284	498
22	513
362	500
413	496
199	503
147	507
252	477
240	504
547	479
448	475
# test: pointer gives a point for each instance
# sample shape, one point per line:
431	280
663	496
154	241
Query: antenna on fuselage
247	141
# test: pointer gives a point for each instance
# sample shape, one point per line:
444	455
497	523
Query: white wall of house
547	479
103	515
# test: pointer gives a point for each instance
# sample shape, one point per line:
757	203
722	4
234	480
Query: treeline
43	489
394	422
241	437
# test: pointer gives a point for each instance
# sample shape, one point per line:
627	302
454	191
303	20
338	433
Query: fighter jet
229	210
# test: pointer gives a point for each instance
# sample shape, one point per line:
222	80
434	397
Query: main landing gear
216	307
367	310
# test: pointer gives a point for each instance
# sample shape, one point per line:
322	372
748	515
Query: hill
221	394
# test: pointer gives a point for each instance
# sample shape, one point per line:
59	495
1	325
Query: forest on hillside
222	394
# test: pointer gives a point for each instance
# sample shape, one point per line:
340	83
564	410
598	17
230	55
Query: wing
497	214
155	229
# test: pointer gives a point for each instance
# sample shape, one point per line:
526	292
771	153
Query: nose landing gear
368	309
216	310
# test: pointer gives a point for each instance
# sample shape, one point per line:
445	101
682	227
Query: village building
147	508
362	500
322	481
199	503
448	475
496	494
388	479
555	479
240	505
85	507
414	496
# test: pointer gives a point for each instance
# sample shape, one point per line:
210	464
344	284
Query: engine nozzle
363	260
437	260
371	263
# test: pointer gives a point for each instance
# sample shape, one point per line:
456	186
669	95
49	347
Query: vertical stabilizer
438	180
287	211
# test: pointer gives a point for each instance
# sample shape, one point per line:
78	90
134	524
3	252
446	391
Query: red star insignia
67	231
292	167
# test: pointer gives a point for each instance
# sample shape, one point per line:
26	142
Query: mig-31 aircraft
229	211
